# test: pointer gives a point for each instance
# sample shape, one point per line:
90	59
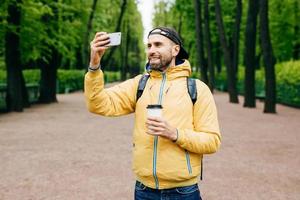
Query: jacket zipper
188	162
156	137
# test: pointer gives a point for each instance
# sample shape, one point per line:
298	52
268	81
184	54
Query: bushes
67	80
287	82
112	77
32	76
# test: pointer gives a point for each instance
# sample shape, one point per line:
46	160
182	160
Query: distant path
62	152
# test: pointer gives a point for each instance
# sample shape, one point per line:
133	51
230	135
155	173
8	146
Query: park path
62	152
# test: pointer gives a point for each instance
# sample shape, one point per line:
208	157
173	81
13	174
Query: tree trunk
17	95
86	45
48	79
49	67
211	82
233	97
250	46
269	59
79	62
107	59
25	96
199	41
218	55
236	35
125	67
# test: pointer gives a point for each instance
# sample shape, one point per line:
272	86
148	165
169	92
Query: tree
85	47
230	71
269	59
236	35
125	51
249	58
17	96
107	59
49	66
199	41
210	65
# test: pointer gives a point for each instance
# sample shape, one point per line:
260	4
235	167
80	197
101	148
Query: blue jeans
143	192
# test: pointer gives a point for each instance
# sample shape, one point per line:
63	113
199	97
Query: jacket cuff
180	137
94	74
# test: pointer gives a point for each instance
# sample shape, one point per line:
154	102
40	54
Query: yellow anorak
158	162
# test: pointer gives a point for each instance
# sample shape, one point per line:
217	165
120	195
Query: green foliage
179	15
287	81
2	65
70	80
282	24
62	34
106	19
283	15
110	76
67	81
61	25
32	76
2	77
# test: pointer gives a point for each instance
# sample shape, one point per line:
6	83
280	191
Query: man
167	150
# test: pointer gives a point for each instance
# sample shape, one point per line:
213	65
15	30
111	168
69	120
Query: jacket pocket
188	162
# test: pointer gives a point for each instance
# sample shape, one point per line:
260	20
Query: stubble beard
162	65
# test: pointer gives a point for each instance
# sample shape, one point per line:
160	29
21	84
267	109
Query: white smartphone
115	39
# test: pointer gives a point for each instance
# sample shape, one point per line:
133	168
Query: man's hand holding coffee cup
98	47
157	126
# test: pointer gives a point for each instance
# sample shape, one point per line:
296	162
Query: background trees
53	34
248	42
241	35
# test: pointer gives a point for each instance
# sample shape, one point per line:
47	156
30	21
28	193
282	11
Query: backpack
191	85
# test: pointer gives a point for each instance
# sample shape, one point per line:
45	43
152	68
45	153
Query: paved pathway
62	152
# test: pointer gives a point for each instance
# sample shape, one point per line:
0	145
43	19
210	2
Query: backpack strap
191	85
192	89
141	86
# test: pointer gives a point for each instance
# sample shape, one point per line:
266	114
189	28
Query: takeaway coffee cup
154	110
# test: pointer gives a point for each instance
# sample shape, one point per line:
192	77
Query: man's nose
151	50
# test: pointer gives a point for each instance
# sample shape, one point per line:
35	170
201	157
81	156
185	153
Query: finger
100	43
157	119
152	123
101	38
156	129
100	34
153	133
155	123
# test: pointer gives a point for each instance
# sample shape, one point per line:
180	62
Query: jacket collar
181	69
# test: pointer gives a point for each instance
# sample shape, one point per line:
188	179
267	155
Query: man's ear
175	50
